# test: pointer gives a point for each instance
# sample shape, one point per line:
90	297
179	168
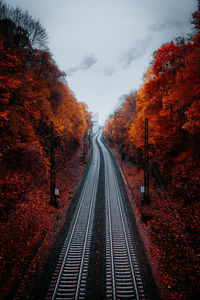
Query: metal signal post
53	198
146	199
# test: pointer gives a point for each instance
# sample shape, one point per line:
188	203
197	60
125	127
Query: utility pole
53	199
89	138
146	199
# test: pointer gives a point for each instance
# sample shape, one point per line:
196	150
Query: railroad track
70	276
123	278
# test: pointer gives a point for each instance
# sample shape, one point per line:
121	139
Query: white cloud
107	70
135	52
119	37
85	64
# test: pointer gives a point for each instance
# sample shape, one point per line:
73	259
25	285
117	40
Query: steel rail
70	240
111	239
125	235
88	225
86	234
121	254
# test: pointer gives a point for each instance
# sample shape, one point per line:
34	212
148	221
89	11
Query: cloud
168	24
109	70
106	70
135	52
87	62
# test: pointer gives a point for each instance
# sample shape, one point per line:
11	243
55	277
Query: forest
36	99
170	99
34	93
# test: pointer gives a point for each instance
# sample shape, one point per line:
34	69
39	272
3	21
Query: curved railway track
70	277
123	278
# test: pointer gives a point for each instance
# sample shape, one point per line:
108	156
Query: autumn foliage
170	98
33	93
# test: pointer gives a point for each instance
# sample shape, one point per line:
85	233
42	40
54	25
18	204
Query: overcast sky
105	46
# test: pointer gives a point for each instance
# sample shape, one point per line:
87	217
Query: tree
169	98
33	93
25	24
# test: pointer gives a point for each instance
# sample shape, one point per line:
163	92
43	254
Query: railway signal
145	187
54	192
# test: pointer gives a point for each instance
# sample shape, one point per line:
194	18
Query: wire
36	185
